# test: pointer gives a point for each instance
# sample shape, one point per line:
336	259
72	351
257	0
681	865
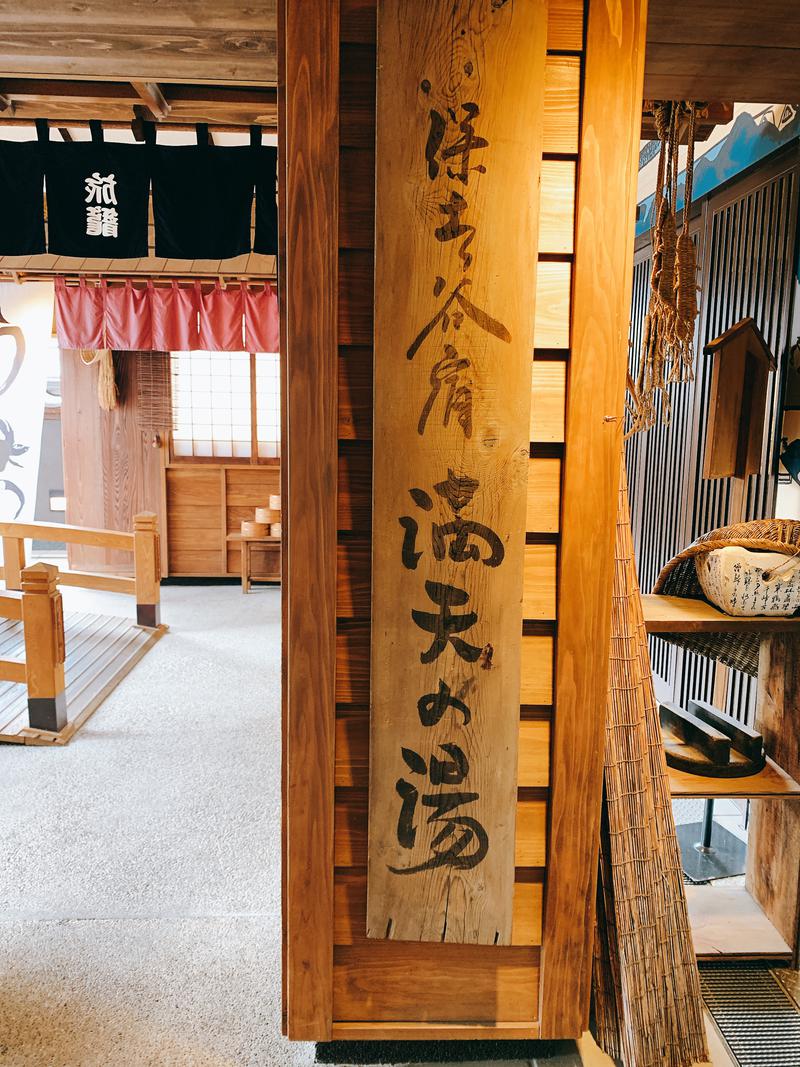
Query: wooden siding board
611	120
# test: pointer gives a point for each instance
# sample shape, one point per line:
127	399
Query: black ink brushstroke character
19	352
432	706
446	624
453	227
9	448
467	841
460	149
449	371
459	531
481	318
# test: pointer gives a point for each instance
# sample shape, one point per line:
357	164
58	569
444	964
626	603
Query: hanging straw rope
667	338
648	1010
686	273
107	394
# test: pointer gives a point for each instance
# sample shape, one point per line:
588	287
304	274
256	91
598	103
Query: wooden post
13	561
147	561
773	850
43	627
605	210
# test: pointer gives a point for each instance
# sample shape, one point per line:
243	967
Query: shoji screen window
268	408
225	406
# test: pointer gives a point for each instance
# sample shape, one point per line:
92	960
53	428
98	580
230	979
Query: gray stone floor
139	866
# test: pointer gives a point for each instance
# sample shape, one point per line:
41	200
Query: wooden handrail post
147	561
13	561
43	627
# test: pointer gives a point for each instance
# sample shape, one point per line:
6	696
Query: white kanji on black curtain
97	196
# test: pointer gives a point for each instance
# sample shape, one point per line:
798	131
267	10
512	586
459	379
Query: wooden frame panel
308	43
611	122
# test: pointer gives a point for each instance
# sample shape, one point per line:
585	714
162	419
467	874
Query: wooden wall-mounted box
734	436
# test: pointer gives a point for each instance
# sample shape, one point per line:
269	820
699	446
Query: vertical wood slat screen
745	238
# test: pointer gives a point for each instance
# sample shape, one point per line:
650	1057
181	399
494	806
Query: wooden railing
32	596
143	543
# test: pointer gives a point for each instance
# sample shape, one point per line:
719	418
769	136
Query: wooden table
247	545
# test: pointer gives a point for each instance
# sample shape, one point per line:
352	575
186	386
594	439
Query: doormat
726	860
380	1052
756	1017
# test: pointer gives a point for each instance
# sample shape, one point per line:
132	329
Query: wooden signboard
459	124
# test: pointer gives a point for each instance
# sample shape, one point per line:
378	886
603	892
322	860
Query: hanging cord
667	352
650	376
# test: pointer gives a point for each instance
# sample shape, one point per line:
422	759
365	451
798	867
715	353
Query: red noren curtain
167	319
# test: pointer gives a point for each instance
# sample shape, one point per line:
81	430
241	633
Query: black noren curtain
22	198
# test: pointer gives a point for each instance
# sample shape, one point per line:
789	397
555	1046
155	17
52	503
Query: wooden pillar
308	208
13	561
43	627
773	851
147	560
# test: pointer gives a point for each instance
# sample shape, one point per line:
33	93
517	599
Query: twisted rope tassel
106	383
686	274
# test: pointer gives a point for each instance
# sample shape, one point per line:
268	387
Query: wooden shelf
237	537
727	923
674	614
772	782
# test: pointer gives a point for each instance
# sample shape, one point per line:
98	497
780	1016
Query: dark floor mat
727	859
753	1013
363	1052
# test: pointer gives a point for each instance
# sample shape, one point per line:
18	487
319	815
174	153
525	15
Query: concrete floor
140	866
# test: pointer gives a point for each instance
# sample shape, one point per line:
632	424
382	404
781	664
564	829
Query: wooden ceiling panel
723	50
141	40
201	56
696	49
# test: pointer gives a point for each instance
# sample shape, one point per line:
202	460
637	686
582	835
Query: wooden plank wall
111	470
489	989
204	503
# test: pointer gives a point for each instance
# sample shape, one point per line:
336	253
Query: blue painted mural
751	139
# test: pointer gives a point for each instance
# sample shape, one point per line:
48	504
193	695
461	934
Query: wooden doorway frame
308	168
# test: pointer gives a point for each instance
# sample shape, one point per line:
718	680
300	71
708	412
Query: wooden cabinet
205	503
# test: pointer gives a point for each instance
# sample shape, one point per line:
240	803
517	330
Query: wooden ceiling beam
72	101
88	92
153	98
127	124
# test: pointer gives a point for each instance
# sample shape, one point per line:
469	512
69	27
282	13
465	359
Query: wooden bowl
275	529
275	502
255	529
267	515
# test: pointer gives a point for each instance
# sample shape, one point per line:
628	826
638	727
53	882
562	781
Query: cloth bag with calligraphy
203	199
97	197
22	196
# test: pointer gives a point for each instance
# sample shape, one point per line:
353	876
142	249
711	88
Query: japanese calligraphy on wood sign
460	104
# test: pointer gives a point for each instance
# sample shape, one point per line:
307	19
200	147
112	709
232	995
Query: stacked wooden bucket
267	521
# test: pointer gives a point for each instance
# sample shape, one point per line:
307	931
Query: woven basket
679	578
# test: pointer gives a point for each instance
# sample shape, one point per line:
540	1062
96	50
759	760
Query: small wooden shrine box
742	362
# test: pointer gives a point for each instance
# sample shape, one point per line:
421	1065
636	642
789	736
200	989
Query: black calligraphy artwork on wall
454	291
